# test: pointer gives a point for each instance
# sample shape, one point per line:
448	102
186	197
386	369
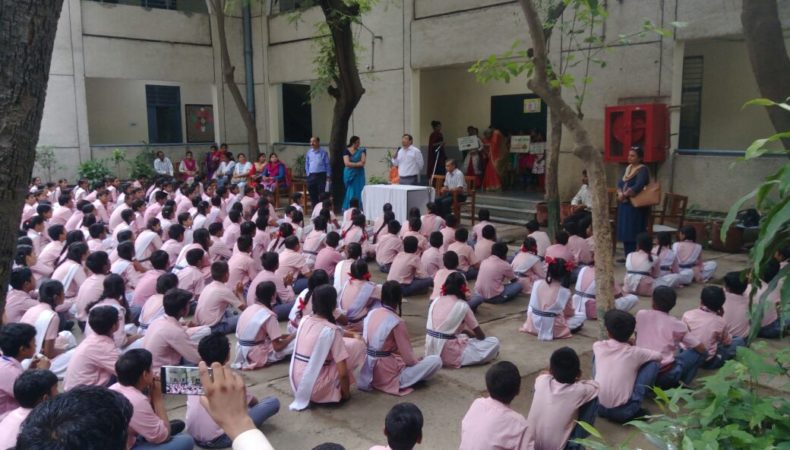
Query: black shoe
177	426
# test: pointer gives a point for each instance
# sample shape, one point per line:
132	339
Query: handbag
649	196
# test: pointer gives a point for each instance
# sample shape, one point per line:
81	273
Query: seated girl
259	339
358	295
583	305
113	295
667	259
689	254
545	317
528	266
643	272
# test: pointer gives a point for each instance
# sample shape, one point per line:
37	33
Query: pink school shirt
89	292
231	234
477	230
543	241
10	426
49	255
191	279
151	211
146	287
258	356
242	268
422	242
483	248
284	293
547	296
555	409
438	281
145	422
168	342
350	292
684	251
736	314
709	328
151	307
60	275
327	387
32	314
616	365
61	216
172	247
17	303
387	247
431	223
448	237
327	259
580	249
494	273
10	370
199	423
663	333
92	363
102	212
405	268
214	300
536	272
74	221
466	255
431	261
491	424
293	263
559	251
454	348
387	371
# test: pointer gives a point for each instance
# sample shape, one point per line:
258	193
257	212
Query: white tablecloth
401	197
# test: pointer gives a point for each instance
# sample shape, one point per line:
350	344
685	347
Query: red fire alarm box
643	125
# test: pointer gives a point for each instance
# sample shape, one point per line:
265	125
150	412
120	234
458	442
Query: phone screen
181	380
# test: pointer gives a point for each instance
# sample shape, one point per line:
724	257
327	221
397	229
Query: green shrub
94	170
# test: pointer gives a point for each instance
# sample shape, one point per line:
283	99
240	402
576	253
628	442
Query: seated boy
431	258
708	326
560	249
657	330
496	281
93	361
415	229
561	399
328	257
541	237
450	261
403	427
388	246
215	348
30	389
190	278
18	299
624	372
18	343
215	306
407	271
467	263
485	242
483	219
736	305
166	340
490	422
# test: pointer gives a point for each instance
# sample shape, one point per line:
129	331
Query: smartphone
181	380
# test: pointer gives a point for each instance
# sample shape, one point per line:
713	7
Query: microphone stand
435	165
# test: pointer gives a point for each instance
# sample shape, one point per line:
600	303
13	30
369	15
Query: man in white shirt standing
409	161
454	181
583	198
162	164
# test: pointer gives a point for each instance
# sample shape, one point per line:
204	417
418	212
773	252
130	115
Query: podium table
401	197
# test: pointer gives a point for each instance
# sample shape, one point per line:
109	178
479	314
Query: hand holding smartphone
181	380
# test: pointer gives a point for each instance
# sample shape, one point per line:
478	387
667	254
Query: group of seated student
99	259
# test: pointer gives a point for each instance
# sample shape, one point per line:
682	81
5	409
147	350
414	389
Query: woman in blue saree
632	220
354	171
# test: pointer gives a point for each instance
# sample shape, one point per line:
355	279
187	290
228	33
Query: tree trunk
552	171
584	149
768	55
27	34
228	70
347	89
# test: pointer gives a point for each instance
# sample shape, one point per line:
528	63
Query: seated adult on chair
453	182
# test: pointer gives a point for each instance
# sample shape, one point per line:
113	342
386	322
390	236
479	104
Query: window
690	103
292	5
198	6
297	113
164	114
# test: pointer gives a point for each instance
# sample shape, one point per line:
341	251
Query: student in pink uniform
154	308
377	231
467	263
174	244
48	256
99	266
293	263
560	249
285	292
18	299
452	330
414	230
155	207
49	342
388	246
623	371
148	240
18	343
146	286
127	266
219	251
62	215
242	266
329	378
278	242
390	365
314	242
343	268
358	295
448	232
490	422
190	278
149	427
166	339
483	219
561	399
577	243
657	330
215	348
259	341
496	281
547	302
527	265
98	238
432	221
356	231
113	295
30	389
689	254
450	265
583	305
93	362
218	300
484	242
232	226
643	272
736	305
71	272
665	255
407	270
709	327
431	259
328	257
402	427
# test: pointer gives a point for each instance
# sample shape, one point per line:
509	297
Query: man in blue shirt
317	168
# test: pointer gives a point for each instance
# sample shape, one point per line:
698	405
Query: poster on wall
467	143
200	123
531	105
520	144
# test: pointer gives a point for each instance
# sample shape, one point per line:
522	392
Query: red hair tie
280	234
569	266
524	249
464	289
443	291
549	260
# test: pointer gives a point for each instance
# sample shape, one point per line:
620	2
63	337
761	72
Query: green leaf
757	148
778	219
590	429
759	102
728	221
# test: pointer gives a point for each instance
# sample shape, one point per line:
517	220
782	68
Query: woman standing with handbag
632	220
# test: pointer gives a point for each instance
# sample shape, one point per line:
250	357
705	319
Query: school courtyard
358	424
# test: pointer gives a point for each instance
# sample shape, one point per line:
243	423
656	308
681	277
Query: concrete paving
444	400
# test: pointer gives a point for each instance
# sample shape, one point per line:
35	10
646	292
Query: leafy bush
143	164
376	180
47	160
94	170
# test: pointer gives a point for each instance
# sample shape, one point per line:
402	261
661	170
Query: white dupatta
70	275
315	362
245	340
582	295
359	301
634	273
338	281
543	319
437	336
143	241
60	362
375	342
525	265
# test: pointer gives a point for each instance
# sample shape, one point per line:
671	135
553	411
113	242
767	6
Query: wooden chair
672	214
471	198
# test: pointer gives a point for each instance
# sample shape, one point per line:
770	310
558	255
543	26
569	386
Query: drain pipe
246	22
